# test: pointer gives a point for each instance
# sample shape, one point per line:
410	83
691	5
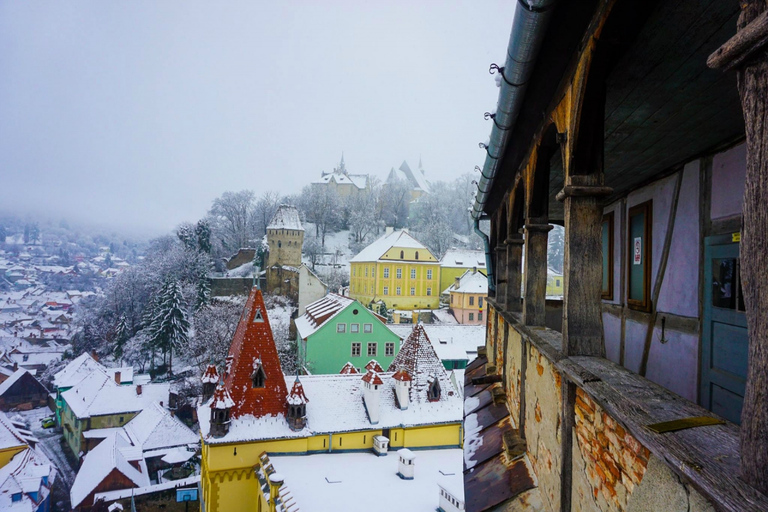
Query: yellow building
398	270
467	298
455	262
252	413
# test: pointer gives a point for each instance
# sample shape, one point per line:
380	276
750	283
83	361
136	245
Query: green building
336	330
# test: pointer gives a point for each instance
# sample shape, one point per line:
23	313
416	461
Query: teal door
724	338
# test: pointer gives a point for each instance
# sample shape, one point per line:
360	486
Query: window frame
354	328
341	328
398	290
607	291
429	291
386	290
367	328
645	208
389	349
359	346
429	273
386	272
471	317
413	273
398	273
375	346
413	291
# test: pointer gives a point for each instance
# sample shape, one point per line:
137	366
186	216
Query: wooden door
724	336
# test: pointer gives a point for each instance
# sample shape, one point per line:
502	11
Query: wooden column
534	298
582	267
514	276
746	51
501	273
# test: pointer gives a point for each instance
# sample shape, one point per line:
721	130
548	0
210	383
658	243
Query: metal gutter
528	28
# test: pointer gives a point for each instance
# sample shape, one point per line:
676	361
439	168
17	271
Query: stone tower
285	237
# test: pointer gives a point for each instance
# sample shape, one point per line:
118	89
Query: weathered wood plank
740	47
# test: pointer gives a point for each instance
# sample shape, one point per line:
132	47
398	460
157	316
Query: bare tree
232	217
266	207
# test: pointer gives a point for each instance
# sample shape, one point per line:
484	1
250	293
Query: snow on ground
348	480
333	242
50	442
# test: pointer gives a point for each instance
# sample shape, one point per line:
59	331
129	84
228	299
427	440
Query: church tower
285	237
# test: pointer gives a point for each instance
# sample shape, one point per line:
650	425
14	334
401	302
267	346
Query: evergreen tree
203	292
172	326
187	236
203	232
121	336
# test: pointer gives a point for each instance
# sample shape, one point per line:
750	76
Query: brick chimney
138	389
95	356
117	377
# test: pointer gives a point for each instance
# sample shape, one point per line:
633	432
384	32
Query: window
413	290
452	298
397	291
356	348
366	271
402	255
122	419
429	292
471	300
413	273
367	328
480	302
557	282
354	271
386	290
373	271
417	254
341	327
479	315
258	376
399	273
639	254
279	244
607	292
258	317
16	496
429	273
389	349
471	317
386	272
354	328
372	349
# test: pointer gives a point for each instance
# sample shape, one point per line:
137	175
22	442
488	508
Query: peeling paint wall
513	366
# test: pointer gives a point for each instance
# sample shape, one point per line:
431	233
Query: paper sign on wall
638	250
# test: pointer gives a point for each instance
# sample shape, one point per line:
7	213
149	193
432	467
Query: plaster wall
729	170
612	331
513	374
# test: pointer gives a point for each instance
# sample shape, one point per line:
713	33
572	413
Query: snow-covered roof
286	217
336	405
98	394
463	258
361	478
358	180
76	370
155	428
321	311
418	357
442	337
399	238
10	381
114	452
470	282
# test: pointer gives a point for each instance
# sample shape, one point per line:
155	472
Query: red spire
375	366
348	369
297	396
211	376
253	341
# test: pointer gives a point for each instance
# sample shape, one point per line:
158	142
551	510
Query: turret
209	379
297	406
403	381
372	384
221	405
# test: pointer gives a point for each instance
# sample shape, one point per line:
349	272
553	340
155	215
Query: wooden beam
514	275
747	41
535	296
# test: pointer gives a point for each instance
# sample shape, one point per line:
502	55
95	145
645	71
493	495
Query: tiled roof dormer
371	377
251	353
348	369
297	396
375	366
211	375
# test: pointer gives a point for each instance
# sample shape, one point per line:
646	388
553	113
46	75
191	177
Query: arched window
279	243
417	254
402	255
258	377
433	392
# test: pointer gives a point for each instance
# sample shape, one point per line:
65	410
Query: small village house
468	296
455	262
22	391
336	330
311	288
342	182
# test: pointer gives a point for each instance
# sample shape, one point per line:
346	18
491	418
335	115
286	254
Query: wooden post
582	267
501	273
534	299
746	51
514	276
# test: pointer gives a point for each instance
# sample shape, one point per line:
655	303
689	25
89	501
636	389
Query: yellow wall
228	480
367	282
6	454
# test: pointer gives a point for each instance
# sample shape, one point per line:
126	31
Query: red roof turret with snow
297	396
402	375
348	369
371	377
417	356
375	366
297	406
211	375
255	379
221	398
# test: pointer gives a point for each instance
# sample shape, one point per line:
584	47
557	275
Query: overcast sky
140	113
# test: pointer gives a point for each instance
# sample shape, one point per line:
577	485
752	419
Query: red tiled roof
297	393
417	356
221	398
348	369
375	366
402	375
372	378
253	340
211	375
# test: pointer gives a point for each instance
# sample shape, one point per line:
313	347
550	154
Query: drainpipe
528	28
488	259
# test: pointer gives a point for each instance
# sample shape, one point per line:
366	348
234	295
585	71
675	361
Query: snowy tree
556	248
203	236
186	234
265	209
203	292
312	249
120	337
3	234
321	206
362	215
394	198
214	327
169	328
231	217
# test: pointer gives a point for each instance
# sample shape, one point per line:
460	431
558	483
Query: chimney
405	464
138	389
117	377
15	365
457	282
95	356
389	230
402	387
372	384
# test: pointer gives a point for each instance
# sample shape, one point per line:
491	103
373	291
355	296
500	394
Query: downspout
528	28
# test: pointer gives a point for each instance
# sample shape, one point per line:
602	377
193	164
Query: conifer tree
203	232
121	336
172	326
